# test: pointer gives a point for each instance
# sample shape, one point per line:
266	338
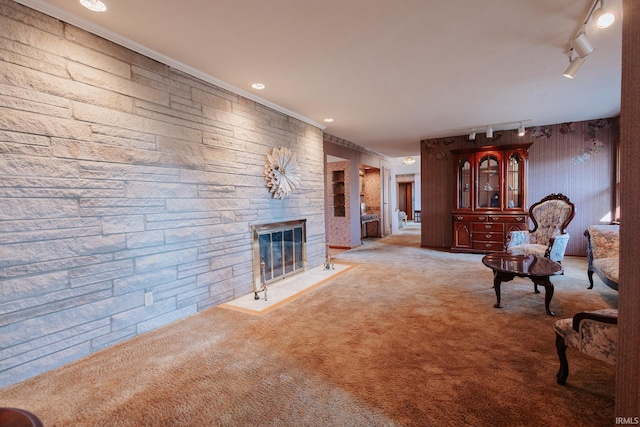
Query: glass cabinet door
489	182
464	183
515	182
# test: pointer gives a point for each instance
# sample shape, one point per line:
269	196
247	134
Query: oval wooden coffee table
506	266
15	417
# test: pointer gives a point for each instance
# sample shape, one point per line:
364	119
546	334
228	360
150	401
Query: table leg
496	287
548	291
498	278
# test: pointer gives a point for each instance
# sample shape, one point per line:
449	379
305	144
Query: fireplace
281	246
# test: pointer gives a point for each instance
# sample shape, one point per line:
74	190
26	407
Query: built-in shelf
338	192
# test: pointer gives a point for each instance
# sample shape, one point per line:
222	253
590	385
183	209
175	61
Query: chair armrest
557	247
603	316
516	237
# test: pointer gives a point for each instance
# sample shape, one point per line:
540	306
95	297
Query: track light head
472	136
489	132
602	18
581	45
521	130
573	67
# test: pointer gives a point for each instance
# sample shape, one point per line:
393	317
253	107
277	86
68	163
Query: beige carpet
408	338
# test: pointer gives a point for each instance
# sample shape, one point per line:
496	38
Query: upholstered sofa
603	249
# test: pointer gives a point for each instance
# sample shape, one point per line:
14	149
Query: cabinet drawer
494	237
488	246
488	226
509	218
469	218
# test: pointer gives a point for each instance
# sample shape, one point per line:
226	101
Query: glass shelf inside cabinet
489	182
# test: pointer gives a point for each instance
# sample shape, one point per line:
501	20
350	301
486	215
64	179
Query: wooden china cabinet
490	196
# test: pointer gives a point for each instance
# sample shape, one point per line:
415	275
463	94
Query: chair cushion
608	266
528	249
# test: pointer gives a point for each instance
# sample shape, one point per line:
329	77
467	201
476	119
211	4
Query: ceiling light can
94	5
489	132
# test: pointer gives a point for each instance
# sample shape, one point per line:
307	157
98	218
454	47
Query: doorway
405	198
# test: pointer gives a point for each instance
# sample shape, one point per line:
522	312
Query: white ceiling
389	72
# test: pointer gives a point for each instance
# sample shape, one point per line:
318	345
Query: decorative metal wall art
282	172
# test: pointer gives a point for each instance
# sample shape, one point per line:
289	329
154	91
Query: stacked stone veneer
120	175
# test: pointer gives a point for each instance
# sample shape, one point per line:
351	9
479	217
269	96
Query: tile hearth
286	290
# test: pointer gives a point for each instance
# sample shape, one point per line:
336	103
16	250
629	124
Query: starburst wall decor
282	172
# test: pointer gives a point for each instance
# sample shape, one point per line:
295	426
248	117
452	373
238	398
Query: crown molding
55	12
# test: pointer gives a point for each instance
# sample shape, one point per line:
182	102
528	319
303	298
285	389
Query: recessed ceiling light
94	5
328	120
258	86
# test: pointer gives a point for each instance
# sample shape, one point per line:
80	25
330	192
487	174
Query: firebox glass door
276	254
265	254
299	260
282	252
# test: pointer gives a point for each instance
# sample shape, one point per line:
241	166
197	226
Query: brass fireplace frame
259	280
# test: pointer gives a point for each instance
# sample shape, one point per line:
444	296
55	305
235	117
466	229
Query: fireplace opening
281	247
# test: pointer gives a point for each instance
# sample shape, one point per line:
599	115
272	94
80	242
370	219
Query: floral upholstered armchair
594	333
549	236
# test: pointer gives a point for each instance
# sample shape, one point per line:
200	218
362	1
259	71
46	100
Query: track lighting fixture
516	125
581	45
603	18
574	66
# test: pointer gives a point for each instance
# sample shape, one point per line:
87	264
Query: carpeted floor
409	337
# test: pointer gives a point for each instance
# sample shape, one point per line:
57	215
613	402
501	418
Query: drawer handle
488	245
495	218
481	218
519	218
488	227
459	218
487	235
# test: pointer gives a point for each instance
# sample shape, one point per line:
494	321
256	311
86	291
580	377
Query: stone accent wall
121	176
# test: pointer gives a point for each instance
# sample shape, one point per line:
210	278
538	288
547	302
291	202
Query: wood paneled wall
576	159
627	384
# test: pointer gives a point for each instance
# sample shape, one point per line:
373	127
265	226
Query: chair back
550	217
